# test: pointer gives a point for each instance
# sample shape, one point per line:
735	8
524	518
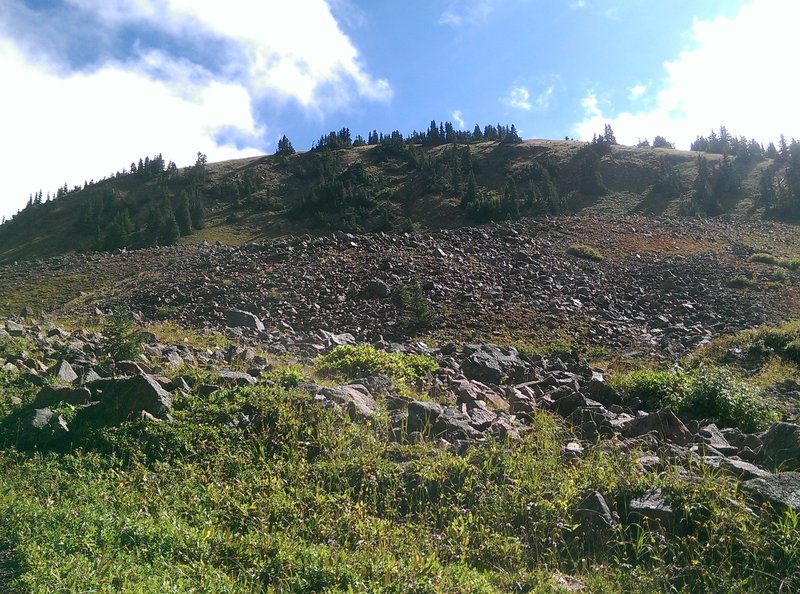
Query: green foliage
741	281
14	347
712	394
416	313
718	396
654	389
764	258
586	252
122	339
287	377
354	361
306	501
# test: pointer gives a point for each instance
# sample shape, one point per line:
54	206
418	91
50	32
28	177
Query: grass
766	258
586	252
306	501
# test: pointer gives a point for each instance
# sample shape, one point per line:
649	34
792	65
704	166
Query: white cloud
90	125
519	98
737	74
637	91
467	12
458	118
578	4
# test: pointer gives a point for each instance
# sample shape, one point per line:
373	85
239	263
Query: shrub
718	396
714	395
122	338
586	252
416	314
654	389
764	258
286	377
742	282
353	361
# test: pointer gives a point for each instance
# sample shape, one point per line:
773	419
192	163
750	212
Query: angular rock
712	436
595	519
779	490
664	422
236	378
41	427
651	506
14	329
63	372
452	424
422	416
122	398
354	397
238	318
50	395
489	363
780	448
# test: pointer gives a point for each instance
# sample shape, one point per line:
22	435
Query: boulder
653	507
238	318
780	448
452	424
50	395
354	397
490	364
14	329
422	415
63	372
594	517
41	427
230	378
781	491
122	398
664	423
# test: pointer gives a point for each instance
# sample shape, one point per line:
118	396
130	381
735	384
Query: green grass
766	258
306	501
586	252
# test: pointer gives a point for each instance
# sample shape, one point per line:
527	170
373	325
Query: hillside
384	187
492	367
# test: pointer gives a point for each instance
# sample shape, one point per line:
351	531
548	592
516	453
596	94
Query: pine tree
182	214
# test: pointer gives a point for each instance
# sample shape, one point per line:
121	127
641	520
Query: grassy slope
628	172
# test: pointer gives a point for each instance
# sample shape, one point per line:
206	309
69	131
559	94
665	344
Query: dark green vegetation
441	177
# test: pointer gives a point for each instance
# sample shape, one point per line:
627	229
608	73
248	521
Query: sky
88	86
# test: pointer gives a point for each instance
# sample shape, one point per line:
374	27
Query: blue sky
90	85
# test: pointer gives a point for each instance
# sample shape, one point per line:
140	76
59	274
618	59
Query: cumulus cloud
744	85
93	124
97	82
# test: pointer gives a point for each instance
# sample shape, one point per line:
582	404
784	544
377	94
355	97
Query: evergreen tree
182	214
198	212
170	232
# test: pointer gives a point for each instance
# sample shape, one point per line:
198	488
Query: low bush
354	361
713	394
654	389
586	252
718	396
